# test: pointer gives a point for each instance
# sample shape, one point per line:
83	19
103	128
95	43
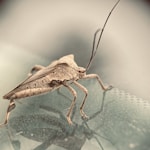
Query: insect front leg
89	76
35	69
86	94
72	104
9	109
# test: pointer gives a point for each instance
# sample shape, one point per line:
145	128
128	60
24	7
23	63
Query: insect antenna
94	49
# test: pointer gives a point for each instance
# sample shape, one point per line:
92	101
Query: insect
62	72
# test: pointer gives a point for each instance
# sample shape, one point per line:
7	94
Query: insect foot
109	87
69	120
83	115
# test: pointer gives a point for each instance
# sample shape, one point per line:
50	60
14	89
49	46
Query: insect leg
9	109
99	80
35	69
72	104
86	93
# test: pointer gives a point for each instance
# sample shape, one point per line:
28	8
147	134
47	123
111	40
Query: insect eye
81	70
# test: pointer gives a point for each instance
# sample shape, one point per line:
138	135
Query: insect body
61	72
48	78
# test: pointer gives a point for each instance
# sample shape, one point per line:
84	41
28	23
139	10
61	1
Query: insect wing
42	81
59	72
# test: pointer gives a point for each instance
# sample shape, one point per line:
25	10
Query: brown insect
61	72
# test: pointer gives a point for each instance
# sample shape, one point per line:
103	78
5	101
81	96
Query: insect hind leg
9	109
84	100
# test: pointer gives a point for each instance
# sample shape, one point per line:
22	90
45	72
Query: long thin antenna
94	50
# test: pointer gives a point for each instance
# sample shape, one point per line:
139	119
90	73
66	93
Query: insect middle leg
74	93
86	94
89	76
9	109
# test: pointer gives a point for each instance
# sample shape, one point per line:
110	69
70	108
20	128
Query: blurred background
38	32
